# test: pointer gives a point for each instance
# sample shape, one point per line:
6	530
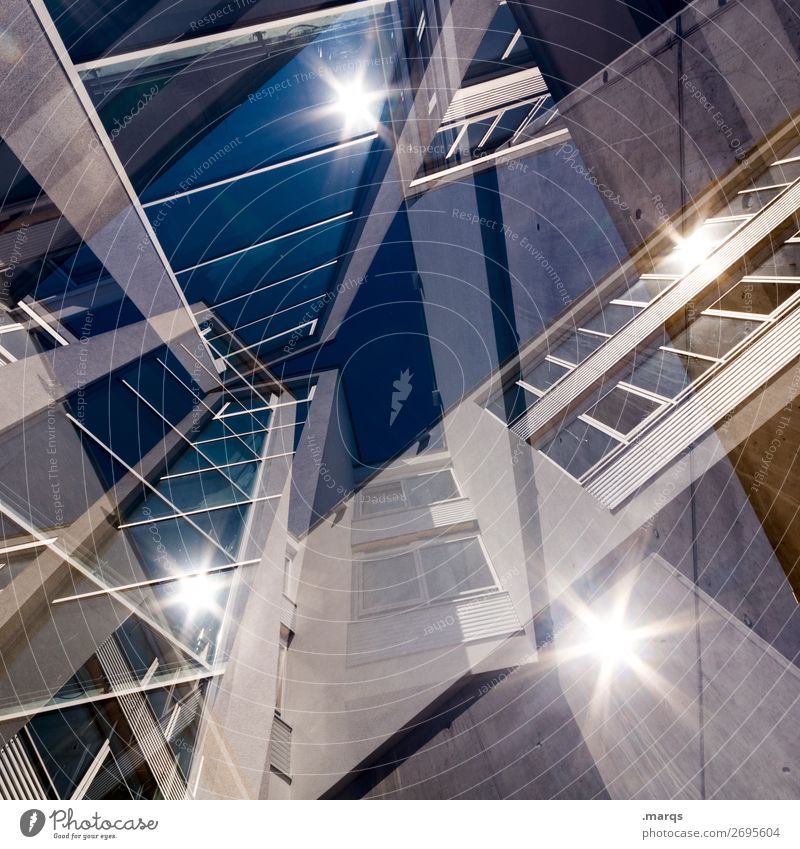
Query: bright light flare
694	249
356	105
197	594
611	642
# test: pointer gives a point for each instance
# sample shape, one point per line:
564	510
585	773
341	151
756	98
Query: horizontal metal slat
436	626
484	97
280	746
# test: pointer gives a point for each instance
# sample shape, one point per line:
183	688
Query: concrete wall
672	115
498	261
354	683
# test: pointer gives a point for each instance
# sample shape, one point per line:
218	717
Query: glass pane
539	119
622	410
578	347
512	403
713	336
438	149
476	133
382	498
266	264
275	297
493	44
509	123
111	783
225	451
283	340
194	608
612	318
578	447
173	546
238	424
455	568
191	461
68	742
759	298
545	375
166	393
390	582
18	343
666	373
646	289
92	28
292	319
204	112
194	492
784	262
237	215
520	54
140	646
225	526
428	489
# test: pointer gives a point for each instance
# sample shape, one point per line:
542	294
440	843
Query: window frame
425	599
361	515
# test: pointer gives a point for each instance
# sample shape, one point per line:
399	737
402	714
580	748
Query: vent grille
485	97
280	747
437	626
18	779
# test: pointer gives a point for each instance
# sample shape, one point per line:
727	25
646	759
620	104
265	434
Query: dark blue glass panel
121	421
16	184
488	61
277	326
226	451
276	297
259	266
194	608
282	342
166	393
73	285
192	118
579	446
232	425
236	215
141	646
195	492
250	440
193	461
226	526
68	741
174	546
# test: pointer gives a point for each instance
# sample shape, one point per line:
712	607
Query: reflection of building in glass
400	401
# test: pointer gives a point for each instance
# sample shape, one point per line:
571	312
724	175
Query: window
622	409
420	491
579	446
426	575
